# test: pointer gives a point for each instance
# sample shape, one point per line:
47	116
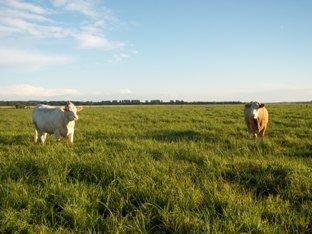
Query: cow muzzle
255	114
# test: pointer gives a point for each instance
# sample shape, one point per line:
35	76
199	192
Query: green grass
159	169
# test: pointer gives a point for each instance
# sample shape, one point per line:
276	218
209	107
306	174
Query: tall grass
159	169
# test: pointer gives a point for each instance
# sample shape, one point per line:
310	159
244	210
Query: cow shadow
259	179
21	139
174	135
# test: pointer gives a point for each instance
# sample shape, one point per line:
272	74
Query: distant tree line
24	104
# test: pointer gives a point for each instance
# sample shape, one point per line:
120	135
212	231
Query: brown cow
256	118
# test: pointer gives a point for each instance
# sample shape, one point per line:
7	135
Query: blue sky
197	50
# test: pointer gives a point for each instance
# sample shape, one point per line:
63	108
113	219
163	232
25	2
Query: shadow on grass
102	135
305	151
28	170
21	139
91	173
175	135
261	180
273	180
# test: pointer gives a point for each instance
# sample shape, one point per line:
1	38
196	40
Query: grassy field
159	169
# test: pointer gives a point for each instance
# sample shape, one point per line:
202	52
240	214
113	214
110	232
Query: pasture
159	169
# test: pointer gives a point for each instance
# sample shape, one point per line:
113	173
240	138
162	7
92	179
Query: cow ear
79	108
261	105
66	107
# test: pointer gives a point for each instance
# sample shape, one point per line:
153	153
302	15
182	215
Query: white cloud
91	9
125	91
58	2
120	57
29	59
84	7
22	26
23	14
25	90
26	6
38	22
27	19
95	41
134	51
123	56
94	27
81	6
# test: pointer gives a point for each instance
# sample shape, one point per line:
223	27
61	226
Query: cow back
47	118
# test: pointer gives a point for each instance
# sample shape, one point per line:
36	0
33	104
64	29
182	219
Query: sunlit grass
159	169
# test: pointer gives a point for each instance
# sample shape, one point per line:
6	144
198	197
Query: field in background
159	169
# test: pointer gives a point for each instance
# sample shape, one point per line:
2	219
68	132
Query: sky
191	50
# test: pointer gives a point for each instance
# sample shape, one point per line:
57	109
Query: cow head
71	111
253	108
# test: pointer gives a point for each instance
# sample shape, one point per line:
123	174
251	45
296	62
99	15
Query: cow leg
262	132
250	131
57	136
252	135
35	136
42	136
70	137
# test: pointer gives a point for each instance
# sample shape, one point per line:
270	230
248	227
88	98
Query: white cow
54	120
